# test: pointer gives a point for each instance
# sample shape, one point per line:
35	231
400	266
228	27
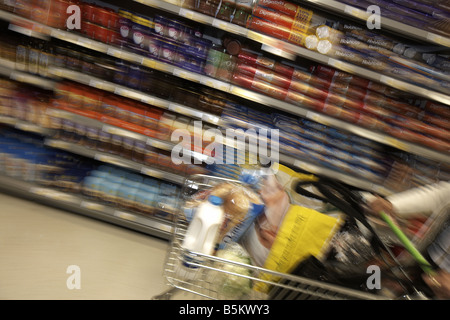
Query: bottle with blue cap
202	233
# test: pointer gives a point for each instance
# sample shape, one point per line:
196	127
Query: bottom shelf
78	204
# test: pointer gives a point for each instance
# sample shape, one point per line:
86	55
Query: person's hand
380	204
439	283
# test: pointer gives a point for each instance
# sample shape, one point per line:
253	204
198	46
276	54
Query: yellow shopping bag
303	232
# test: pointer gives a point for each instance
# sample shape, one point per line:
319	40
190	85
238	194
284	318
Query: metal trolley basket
201	281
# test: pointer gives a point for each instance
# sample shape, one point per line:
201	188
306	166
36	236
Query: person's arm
425	199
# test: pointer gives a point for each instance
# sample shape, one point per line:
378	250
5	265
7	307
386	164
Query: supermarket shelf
133	94
156	143
179	179
115	160
275	45
75	203
292	162
386	23
160	144
251	95
25	126
281	47
167	176
8	69
264	100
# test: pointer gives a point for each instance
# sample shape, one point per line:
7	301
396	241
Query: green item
424	264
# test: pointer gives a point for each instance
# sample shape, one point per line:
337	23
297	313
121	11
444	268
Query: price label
158	144
317	118
149	63
355	12
186	75
220	24
216	84
199	17
125	215
92	205
152	173
186	13
147	100
52	194
438	39
397	144
174	107
112	130
229	27
96	84
114	52
210	118
256	36
120	91
84	42
387	80
336	63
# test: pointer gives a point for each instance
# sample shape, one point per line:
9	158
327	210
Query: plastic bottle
202	233
201	236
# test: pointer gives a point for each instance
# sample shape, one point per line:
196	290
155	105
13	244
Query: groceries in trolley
279	222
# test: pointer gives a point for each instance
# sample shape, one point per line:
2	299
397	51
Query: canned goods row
135	28
234	11
161	38
93	100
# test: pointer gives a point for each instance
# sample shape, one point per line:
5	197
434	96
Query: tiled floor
38	244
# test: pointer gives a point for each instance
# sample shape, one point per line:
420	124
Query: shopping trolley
204	269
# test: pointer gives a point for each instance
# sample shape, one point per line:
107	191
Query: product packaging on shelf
131	191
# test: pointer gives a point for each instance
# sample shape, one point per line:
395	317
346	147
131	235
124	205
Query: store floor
44	252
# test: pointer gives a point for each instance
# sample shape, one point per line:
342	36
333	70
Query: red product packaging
274	16
136	115
259	60
273	29
402	108
265	75
342	100
259	86
282	6
340	76
110	105
439	109
88	11
85	113
437	121
304	101
370	122
358	93
308	90
152	117
412	136
375	110
422	127
57	17
100	33
269	28
311	79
